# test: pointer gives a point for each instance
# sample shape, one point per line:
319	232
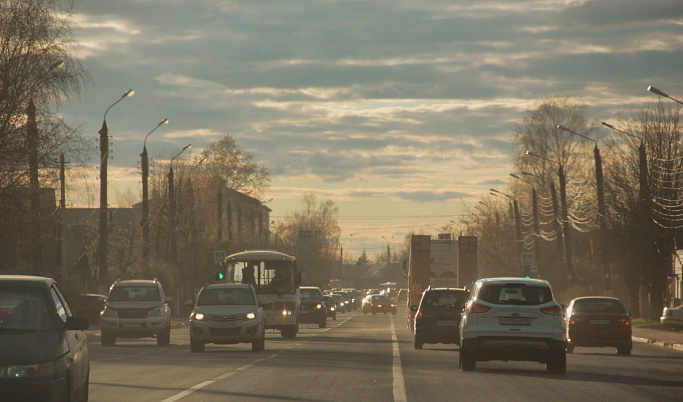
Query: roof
259	255
136	282
26	280
527	281
228	285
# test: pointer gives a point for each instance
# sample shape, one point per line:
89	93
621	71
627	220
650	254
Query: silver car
226	313
513	319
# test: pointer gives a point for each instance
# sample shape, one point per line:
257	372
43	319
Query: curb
671	345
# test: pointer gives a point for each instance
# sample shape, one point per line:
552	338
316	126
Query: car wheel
259	345
418	343
570	348
164	338
323	323
196	346
558	362
288	332
624	350
467	360
107	339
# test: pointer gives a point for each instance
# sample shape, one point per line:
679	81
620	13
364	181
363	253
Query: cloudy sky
399	111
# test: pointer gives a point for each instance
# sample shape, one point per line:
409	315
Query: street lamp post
607	280
662	93
518	221
145	199
534	203
103	272
562	212
172	209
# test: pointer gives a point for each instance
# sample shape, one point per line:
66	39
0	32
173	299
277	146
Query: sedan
672	317
597	321
44	353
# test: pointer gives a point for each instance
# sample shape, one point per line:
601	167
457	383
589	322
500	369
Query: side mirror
413	308
188	303
74	323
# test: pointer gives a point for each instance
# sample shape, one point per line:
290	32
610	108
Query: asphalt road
366	357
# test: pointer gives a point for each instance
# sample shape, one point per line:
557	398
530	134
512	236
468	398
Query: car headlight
28	371
198	316
286	313
251	315
157	312
319	306
331	308
108	312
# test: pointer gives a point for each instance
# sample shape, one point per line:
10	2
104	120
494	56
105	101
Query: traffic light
219	276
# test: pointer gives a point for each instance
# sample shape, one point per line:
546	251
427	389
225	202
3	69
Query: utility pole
219	211
60	223
34	189
565	223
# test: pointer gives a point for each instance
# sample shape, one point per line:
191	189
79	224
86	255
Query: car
341	304
348	305
313	309
225	314
44	353
379	304
437	318
597	321
513	319
331	306
136	308
89	305
672	317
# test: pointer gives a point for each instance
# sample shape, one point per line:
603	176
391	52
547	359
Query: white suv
514	319
136	309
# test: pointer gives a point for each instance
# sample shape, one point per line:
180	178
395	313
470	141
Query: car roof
517	280
235	285
25	280
309	287
447	289
136	282
596	298
259	255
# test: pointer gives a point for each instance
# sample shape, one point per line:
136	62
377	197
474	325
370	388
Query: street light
518	220
662	93
534	203
103	272
172	208
145	199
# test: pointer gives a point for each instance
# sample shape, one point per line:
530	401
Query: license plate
446	323
601	322
132	325
225	325
515	321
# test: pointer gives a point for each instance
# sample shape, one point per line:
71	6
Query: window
134	293
598	306
226	296
515	294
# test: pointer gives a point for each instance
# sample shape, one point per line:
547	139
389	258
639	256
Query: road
365	357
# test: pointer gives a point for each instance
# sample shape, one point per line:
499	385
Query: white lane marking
397	369
188	392
245	367
224	376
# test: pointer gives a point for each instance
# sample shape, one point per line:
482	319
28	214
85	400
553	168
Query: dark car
331	306
380	304
312	308
89	306
44	352
437	318
599	322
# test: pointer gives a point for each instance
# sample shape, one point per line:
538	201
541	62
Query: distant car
672	317
513	319
136	308
44	352
331	306
597	321
224	314
341	304
89	305
379	304
437	318
312	308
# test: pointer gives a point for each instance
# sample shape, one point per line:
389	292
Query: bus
275	277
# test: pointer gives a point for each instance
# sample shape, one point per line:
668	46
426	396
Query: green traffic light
220	275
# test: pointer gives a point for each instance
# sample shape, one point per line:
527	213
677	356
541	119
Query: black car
44	352
331	306
312	308
437	319
89	306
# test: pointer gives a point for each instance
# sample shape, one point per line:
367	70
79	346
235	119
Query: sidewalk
658	335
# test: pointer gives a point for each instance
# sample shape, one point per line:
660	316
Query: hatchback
437	318
598	322
44	352
513	319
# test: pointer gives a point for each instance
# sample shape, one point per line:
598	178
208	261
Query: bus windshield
267	277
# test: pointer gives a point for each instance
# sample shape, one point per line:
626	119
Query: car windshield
134	293
380	298
226	296
598	306
445	299
515	294
25	308
310	294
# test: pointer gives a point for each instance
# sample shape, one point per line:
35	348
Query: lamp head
657	91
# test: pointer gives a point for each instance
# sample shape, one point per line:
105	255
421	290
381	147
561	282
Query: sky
402	112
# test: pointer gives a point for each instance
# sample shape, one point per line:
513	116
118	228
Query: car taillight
475	308
624	321
418	317
552	310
